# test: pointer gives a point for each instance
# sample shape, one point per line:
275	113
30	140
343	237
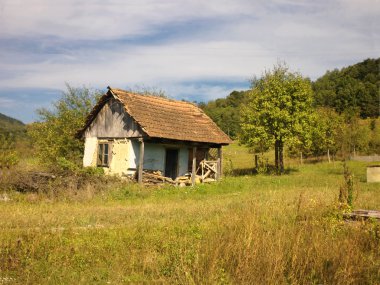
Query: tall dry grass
245	230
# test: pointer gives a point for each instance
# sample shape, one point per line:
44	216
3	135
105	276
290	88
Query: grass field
255	229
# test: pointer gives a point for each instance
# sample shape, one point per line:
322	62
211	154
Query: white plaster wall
90	150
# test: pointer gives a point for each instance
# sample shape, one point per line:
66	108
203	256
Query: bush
54	136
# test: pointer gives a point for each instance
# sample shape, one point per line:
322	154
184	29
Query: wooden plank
114	122
363	214
141	162
194	165
207	174
220	162
218	167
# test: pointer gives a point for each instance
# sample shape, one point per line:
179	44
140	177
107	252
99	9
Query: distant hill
352	88
11	125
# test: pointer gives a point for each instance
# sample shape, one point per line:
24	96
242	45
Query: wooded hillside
353	88
11	125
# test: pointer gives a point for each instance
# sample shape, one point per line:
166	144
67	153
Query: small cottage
130	134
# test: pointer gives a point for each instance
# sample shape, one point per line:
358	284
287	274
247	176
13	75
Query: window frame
103	157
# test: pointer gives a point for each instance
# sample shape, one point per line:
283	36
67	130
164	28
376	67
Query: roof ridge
129	93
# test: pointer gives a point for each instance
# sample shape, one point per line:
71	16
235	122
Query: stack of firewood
155	177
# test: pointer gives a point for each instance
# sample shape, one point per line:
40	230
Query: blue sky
193	50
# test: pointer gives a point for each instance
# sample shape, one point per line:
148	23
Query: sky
193	50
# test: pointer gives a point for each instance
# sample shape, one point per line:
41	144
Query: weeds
346	192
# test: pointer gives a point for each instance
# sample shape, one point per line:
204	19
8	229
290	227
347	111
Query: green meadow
246	229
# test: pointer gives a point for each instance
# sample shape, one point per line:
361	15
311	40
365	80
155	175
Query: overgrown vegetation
248	229
8	154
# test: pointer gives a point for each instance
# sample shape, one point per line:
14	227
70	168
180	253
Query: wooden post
193	169
219	164
141	161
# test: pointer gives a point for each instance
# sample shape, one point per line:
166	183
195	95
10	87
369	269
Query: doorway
171	163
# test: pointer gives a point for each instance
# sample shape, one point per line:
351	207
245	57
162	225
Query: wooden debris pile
207	171
31	181
155	177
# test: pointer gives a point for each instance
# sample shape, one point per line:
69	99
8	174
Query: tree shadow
270	170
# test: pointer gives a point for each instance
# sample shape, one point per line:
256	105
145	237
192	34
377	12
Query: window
103	154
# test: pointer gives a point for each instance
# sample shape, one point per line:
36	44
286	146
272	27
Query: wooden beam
141	161
219	165
193	169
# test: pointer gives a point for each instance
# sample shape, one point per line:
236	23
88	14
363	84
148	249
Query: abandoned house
136	135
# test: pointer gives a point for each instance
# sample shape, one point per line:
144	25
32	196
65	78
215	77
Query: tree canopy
278	112
353	87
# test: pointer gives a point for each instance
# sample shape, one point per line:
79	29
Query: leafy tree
278	112
327	132
54	134
374	143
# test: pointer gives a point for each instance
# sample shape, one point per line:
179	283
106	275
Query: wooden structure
130	134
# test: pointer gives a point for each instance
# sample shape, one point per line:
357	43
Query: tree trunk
281	156
276	155
328	155
301	158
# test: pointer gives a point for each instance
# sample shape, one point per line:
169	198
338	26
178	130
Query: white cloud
73	19
231	40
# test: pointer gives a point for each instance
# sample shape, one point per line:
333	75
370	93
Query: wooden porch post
219	164
141	161
193	169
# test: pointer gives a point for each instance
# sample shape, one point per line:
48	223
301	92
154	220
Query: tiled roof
170	119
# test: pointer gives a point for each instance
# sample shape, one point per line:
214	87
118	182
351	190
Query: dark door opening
171	163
